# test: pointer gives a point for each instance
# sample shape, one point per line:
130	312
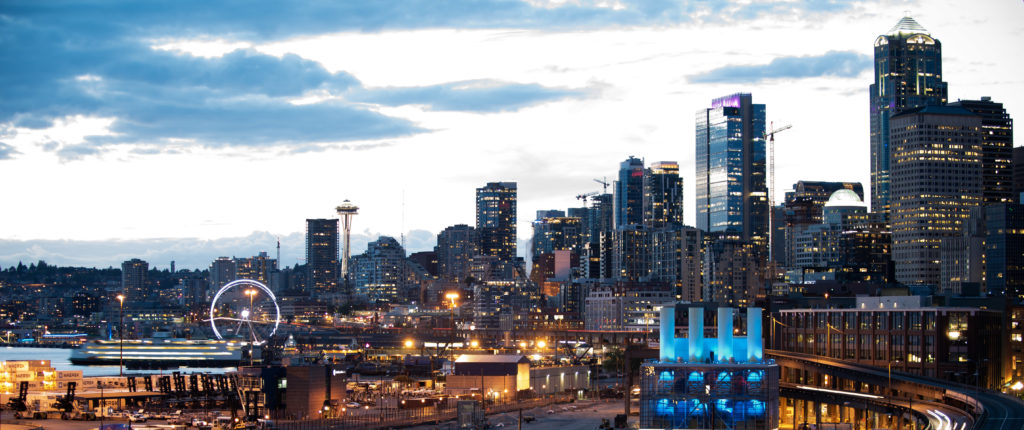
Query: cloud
242	99
240	19
7	152
97	59
843	64
472	96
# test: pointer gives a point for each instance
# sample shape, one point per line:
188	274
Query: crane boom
603	182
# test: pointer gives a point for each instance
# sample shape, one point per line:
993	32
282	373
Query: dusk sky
183	130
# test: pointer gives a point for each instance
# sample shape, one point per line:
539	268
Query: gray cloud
7	152
845	64
471	96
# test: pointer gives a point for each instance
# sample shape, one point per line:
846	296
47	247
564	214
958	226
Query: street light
249	313
120	333
453	296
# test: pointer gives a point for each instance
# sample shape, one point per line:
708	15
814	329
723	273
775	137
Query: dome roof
844	197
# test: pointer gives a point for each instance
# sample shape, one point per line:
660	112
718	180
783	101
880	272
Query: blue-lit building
706	383
732	194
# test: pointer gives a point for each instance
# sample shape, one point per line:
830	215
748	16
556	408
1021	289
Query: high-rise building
936	180
557	233
496	220
456	246
631	253
1004	250
382	274
222	271
676	260
996	149
732	194
134	276
1018	174
663	195
962	267
908	74
731	271
629	193
598	222
256	268
322	255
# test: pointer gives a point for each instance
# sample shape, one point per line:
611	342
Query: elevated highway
945	405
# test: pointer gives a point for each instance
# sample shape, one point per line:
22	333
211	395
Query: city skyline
550	122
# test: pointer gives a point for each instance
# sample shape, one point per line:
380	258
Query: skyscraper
936	180
732	196
996	149
908	74
322	255
496	220
629	193
663	195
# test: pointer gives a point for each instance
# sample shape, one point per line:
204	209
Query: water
60	360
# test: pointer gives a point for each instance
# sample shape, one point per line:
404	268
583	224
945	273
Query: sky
184	130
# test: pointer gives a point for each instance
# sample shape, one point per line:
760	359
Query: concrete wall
548	380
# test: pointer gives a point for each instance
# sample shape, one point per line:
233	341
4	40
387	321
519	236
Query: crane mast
770	136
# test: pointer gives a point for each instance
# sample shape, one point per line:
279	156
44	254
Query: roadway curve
1001	412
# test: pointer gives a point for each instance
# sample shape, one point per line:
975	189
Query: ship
159	353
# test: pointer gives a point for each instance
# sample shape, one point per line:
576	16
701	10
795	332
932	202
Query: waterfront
60	360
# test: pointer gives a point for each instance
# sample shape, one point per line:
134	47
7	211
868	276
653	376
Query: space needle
345	212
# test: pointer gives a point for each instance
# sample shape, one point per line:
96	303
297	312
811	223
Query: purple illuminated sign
727	101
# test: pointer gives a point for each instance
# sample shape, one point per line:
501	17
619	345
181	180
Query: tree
613	360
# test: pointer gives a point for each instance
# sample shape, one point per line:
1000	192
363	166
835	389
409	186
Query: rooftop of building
907	25
487	358
937	110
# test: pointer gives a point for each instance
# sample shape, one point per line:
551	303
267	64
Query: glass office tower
732	194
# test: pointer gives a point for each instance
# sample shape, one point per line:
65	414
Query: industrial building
707	383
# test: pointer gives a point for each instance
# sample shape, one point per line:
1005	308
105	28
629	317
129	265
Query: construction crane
770	137
586	196
604	182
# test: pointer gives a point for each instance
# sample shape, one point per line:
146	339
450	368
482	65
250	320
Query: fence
367	419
